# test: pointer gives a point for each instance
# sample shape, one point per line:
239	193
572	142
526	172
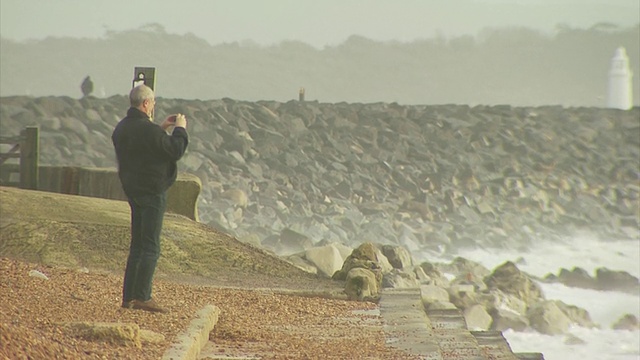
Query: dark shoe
127	304
149	305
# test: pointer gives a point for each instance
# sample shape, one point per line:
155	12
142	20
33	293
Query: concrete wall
182	197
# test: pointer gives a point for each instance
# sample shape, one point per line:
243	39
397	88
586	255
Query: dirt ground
80	245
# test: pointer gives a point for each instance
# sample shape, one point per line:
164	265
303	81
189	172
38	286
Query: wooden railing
24	148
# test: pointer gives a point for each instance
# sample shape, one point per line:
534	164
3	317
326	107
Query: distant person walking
147	167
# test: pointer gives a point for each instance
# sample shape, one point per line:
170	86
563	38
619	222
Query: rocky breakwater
483	299
288	176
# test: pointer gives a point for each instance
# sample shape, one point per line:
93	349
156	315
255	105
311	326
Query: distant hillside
515	66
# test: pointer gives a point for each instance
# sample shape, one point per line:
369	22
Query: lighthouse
620	93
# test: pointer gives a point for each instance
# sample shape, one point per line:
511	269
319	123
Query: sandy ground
34	310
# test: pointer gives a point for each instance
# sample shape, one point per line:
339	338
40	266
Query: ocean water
605	308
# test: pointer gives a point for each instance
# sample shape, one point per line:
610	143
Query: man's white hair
139	94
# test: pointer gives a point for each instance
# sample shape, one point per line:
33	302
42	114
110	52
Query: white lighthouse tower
620	94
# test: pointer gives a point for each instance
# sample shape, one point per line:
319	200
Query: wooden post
29	153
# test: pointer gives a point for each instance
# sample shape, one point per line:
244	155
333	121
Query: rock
383	262
433	293
192	160
546	318
364	256
344	250
399	279
626	322
127	334
237	196
510	280
361	284
422	277
477	318
292	241
436	276
150	337
93	115
504	319
74	125
462	296
577	315
37	274
398	256
497	300
51	123
302	264
326	258
577	277
616	280
468	272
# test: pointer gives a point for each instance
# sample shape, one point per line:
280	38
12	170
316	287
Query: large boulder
578	277
627	322
361	284
398	278
431	294
498	300
547	318
422	277
434	274
578	316
383	261
237	196
398	256
326	258
291	241
477	318
467	269
507	311
462	296
616	280
344	250
510	280
302	263
365	257
504	319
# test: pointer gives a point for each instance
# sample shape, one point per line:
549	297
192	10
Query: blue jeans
147	213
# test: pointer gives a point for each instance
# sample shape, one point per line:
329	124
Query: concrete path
406	325
439	334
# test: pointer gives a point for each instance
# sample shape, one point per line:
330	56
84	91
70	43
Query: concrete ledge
182	197
189	343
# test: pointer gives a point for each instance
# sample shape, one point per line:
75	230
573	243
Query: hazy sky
316	22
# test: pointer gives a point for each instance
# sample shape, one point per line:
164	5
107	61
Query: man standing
147	167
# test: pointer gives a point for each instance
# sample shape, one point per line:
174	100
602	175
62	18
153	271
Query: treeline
516	66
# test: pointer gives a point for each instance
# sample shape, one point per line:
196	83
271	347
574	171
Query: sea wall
182	197
430	178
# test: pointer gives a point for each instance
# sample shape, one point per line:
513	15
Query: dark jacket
147	155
